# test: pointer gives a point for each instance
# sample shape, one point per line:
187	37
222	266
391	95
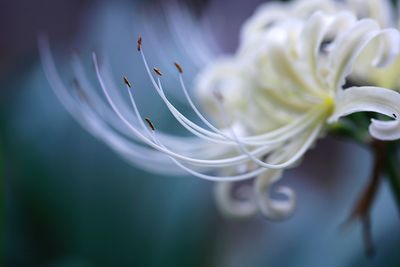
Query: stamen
394	115
151	125
182	119
178	67
299	126
139	43
190	170
157	71
62	94
126	81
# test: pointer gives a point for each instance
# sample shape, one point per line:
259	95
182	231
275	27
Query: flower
270	102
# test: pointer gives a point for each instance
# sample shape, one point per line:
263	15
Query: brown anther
139	43
395	116
157	71
151	125
127	82
178	67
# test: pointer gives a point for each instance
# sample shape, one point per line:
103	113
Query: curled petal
265	16
372	99
231	206
389	48
321	26
385	130
353	42
271	208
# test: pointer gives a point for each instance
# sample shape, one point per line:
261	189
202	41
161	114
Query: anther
157	71
126	81
139	43
178	67
151	125
394	115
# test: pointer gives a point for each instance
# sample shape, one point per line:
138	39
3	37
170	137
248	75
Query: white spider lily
292	80
279	102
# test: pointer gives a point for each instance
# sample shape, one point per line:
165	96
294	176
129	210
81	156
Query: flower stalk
363	206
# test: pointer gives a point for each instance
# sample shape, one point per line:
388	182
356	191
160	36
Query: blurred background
71	201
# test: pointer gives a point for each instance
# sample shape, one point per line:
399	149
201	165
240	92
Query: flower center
329	105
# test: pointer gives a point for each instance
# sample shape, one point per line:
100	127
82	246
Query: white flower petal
271	208
351	43
320	26
385	130
264	17
284	58
344	48
229	205
371	99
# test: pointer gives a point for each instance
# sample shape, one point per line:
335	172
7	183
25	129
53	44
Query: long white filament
222	162
280	134
205	176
